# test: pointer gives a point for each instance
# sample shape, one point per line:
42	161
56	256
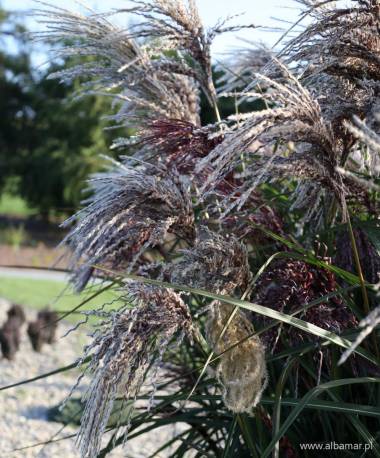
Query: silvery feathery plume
290	139
120	66
338	56
130	209
241	68
335	65
220	264
156	79
122	351
342	40
178	26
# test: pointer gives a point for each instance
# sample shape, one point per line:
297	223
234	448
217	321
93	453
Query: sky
259	12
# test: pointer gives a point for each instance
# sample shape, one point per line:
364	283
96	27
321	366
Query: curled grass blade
85	301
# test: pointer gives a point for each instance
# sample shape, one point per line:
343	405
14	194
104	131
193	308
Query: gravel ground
23	409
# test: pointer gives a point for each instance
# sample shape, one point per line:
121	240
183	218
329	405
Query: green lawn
41	293
14	206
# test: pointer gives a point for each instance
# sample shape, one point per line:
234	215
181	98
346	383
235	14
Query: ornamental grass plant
246	250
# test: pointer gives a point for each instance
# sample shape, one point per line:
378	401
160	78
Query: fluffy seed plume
157	79
220	264
178	25
333	24
122	351
303	134
130	210
131	73
338	57
290	139
216	263
241	371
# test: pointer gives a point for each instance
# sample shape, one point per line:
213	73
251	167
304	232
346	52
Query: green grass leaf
261	310
313	393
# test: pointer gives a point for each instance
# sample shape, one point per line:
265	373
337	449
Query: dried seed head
130	210
220	264
241	371
122	351
216	263
287	286
177	143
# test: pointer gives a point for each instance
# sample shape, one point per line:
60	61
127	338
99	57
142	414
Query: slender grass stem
246	434
358	265
217	112
361	279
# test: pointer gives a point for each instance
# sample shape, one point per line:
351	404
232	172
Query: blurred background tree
15	79
46	149
51	141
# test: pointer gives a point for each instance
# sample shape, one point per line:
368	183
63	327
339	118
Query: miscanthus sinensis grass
184	202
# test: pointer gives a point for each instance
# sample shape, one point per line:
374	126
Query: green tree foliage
46	149
63	149
15	79
50	141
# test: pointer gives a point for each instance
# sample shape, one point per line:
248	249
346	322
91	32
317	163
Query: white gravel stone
23	409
